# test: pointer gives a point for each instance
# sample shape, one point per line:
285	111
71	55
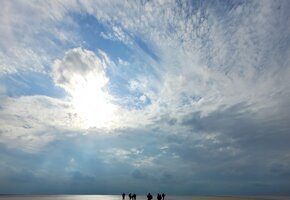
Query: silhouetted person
163	196
134	196
123	196
149	196
159	196
130	196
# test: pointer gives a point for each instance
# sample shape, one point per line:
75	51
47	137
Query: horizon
184	97
154	195
143	197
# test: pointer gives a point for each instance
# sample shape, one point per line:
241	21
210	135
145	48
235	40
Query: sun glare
92	103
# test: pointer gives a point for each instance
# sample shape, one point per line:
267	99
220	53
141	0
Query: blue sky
181	97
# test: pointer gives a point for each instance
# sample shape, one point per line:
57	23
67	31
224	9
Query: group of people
131	196
159	196
149	196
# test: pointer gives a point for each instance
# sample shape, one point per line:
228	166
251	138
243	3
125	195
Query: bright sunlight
92	103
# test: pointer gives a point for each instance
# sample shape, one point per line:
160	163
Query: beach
141	197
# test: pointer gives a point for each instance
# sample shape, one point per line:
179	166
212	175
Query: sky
181	97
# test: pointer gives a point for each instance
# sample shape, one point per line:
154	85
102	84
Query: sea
118	197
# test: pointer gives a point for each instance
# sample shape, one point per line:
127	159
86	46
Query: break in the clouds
107	97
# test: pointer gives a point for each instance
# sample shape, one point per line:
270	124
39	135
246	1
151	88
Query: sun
92	104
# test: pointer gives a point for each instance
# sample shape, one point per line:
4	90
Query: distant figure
159	196
134	197
163	196
130	196
149	196
123	196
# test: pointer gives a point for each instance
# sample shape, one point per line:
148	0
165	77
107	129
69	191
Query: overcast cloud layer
181	97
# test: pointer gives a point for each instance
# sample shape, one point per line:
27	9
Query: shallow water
118	197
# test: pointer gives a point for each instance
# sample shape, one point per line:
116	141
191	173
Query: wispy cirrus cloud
34	34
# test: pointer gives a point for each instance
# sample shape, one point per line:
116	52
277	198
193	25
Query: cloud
29	123
224	62
34	34
76	66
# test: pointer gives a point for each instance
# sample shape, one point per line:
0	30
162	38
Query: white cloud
200	55
117	34
218	58
75	68
133	157
31	122
82	74
143	98
33	33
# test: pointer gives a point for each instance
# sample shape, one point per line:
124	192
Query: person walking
149	196
159	196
